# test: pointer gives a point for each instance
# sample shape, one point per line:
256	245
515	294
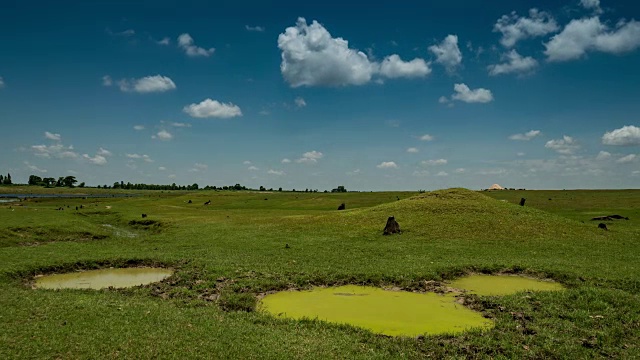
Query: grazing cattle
76	208
522	200
208	202
602	226
144	216
341	207
189	202
392	226
398	198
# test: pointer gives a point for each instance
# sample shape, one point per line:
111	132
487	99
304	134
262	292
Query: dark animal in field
392	227
189	202
341	207
286	246
144	216
602	226
522	200
610	217
208	202
398	197
76	208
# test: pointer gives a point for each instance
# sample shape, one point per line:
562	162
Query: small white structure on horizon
496	187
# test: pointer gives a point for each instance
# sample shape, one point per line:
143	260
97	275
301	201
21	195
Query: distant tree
279	189
35	180
1	179
339	189
81	185
69	181
7	179
262	188
116	185
294	190
49	181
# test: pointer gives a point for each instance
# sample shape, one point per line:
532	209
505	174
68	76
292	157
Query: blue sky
389	96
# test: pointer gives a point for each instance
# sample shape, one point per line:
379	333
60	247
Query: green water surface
103	278
395	313
502	285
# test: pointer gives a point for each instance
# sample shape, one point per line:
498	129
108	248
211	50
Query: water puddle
394	313
488	285
103	278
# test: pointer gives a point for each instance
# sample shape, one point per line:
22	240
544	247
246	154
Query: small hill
496	187
465	214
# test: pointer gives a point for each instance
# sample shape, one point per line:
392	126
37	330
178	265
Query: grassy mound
464	214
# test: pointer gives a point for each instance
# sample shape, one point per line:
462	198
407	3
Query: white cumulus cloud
463	93
526	136
591	5
394	67
448	53
300	102
513	63
34	168
198	167
589	34
52	136
212	109
58	151
276	172
413	150
252	168
96	160
254	28
426	137
434	162
107	81
565	146
163	135
387	165
603	155
147	84
310	157
312	57
515	28
1	82
442	173
285	161
186	43
104	152
627	159
626	135
138	127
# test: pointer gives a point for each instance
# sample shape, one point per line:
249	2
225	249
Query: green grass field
226	255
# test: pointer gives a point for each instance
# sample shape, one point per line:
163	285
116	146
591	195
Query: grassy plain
229	253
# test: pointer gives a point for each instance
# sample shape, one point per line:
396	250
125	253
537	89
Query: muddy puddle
490	285
103	278
394	313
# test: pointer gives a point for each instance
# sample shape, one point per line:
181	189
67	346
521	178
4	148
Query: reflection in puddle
395	313
103	278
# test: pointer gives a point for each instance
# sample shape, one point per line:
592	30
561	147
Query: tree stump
522	200
341	207
392	227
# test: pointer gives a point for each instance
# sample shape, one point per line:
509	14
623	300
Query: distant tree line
70	181
5	180
62	181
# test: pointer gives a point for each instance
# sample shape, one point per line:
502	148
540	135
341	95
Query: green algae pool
103	278
488	285
394	313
